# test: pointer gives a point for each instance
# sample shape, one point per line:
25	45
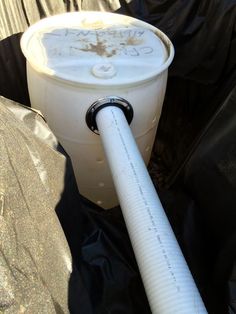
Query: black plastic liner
193	163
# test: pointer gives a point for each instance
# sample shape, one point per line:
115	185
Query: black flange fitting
101	103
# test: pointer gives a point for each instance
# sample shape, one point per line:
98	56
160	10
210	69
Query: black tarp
193	162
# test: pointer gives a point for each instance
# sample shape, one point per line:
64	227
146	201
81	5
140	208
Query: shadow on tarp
105	277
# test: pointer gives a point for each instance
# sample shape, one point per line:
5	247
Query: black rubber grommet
101	103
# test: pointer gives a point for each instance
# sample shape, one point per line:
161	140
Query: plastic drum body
73	60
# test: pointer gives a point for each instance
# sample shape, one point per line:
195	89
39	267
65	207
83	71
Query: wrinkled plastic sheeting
201	75
210	178
26	12
35	261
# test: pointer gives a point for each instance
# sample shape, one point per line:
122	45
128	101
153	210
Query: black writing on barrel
105	43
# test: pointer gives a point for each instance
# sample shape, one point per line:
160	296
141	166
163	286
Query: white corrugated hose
168	282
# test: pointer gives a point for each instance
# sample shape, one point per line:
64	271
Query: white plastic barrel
73	60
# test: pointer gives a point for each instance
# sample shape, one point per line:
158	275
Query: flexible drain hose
168	282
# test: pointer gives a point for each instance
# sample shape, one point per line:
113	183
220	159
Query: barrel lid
95	48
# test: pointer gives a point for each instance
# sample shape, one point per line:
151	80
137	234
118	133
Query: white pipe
168	282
